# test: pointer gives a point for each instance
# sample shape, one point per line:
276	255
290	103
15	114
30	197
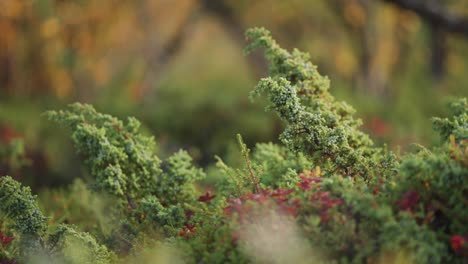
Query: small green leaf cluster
72	247
457	125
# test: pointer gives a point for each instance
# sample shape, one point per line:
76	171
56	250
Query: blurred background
178	66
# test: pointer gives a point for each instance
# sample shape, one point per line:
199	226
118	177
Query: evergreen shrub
326	194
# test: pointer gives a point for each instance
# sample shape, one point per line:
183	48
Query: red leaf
306	182
408	201
187	230
235	237
457	242
5	239
206	197
7	133
379	127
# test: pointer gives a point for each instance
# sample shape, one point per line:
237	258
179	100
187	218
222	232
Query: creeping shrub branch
316	124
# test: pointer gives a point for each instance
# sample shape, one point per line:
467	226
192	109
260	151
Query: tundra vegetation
325	194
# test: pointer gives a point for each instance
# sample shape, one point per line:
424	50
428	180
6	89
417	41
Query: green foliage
457	125
316	124
327	190
280	167
18	205
19	208
176	184
122	161
13	156
78	247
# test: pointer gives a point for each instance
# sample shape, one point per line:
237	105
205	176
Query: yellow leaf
50	27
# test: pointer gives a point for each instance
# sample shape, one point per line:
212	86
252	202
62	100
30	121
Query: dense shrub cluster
326	195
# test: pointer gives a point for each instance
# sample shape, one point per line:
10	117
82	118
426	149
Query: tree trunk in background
369	78
236	29
158	61
438	51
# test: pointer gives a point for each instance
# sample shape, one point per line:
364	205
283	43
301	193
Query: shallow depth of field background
178	66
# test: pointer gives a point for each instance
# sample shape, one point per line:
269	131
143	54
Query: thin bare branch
436	14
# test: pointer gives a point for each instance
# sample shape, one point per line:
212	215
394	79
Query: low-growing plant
12	152
327	194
